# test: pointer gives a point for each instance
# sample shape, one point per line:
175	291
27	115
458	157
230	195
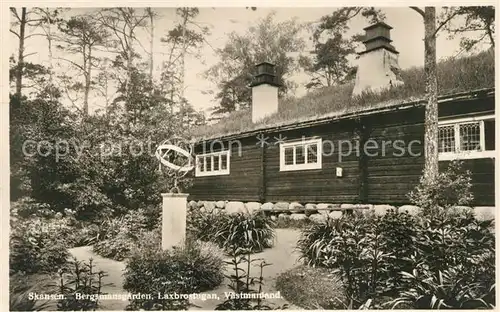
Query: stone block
193	204
381	210
209	206
283	216
318	218
281	205
484	213
410	209
235	207
298	216
267	206
295	205
335	215
252	207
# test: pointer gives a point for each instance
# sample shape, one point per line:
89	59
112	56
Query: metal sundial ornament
168	148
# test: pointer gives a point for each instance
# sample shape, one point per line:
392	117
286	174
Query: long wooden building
358	143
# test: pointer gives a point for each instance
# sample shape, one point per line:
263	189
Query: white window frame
212	172
305	165
458	154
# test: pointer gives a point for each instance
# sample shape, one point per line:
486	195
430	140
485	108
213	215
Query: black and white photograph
189	156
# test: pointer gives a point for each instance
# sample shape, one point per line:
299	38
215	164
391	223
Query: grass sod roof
455	76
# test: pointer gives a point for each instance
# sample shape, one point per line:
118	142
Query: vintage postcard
251	157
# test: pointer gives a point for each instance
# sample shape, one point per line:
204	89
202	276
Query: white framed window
301	155
467	138
212	164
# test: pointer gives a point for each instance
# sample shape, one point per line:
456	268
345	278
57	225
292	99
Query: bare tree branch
18	36
445	22
75	64
418	10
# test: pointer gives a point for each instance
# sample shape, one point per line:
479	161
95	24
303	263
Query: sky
407	35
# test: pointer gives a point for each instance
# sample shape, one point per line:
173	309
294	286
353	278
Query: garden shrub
254	231
38	246
117	237
192	268
453	265
203	225
116	248
451	187
398	255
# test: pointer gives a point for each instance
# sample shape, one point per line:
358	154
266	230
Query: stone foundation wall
317	212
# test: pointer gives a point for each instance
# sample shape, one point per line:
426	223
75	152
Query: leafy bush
451	188
445	290
117	237
375	256
38	246
254	231
117	248
192	268
204	225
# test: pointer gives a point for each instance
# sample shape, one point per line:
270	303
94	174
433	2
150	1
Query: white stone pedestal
174	213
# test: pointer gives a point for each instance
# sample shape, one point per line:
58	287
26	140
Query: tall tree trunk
431	111
88	80
151	45
20	58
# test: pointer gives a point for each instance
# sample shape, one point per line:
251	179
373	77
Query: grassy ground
311	288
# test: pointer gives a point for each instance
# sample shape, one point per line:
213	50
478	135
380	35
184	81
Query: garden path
281	256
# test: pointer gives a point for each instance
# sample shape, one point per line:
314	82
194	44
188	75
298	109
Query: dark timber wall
319	185
398	166
241	184
386	177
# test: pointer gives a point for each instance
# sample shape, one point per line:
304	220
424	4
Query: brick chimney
378	67
264	92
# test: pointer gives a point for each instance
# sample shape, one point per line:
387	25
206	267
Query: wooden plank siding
385	178
242	184
394	172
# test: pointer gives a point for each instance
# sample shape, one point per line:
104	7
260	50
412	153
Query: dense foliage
439	258
254	231
450	188
38	245
117	237
193	268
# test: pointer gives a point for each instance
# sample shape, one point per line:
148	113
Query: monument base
174	214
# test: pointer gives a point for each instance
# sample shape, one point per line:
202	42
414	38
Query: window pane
300	155
223	158
312	153
489	134
446	139
208	160
288	155
469	137
216	163
199	162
